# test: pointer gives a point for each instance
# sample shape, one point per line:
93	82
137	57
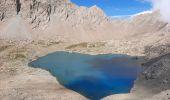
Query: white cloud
141	13
130	16
163	6
120	16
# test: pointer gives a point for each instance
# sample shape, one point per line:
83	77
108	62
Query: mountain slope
63	20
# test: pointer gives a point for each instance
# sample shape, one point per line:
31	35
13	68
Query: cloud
163	6
120	16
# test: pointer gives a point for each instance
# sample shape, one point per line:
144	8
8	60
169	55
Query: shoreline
33	52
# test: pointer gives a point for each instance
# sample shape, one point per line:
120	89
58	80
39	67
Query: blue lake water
93	76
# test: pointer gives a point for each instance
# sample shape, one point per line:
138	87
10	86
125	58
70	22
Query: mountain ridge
63	20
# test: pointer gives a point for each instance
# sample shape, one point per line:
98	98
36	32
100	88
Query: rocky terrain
33	28
39	20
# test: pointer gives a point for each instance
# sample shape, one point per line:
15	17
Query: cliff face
39	12
35	11
63	20
5	12
60	18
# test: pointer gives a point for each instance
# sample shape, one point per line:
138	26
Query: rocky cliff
63	20
56	18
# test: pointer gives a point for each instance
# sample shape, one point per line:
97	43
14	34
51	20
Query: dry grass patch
86	45
20	56
80	45
2	48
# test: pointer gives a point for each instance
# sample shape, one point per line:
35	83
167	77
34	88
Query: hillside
63	20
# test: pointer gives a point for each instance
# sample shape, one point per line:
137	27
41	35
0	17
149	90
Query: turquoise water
93	76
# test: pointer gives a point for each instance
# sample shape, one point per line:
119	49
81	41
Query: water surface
93	76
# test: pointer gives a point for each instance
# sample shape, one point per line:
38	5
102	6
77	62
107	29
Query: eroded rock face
29	8
39	12
60	18
5	12
63	20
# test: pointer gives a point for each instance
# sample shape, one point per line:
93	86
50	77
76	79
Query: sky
116	7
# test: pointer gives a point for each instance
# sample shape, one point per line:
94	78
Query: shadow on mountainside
156	75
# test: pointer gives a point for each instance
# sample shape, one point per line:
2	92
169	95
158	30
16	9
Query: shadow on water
93	76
